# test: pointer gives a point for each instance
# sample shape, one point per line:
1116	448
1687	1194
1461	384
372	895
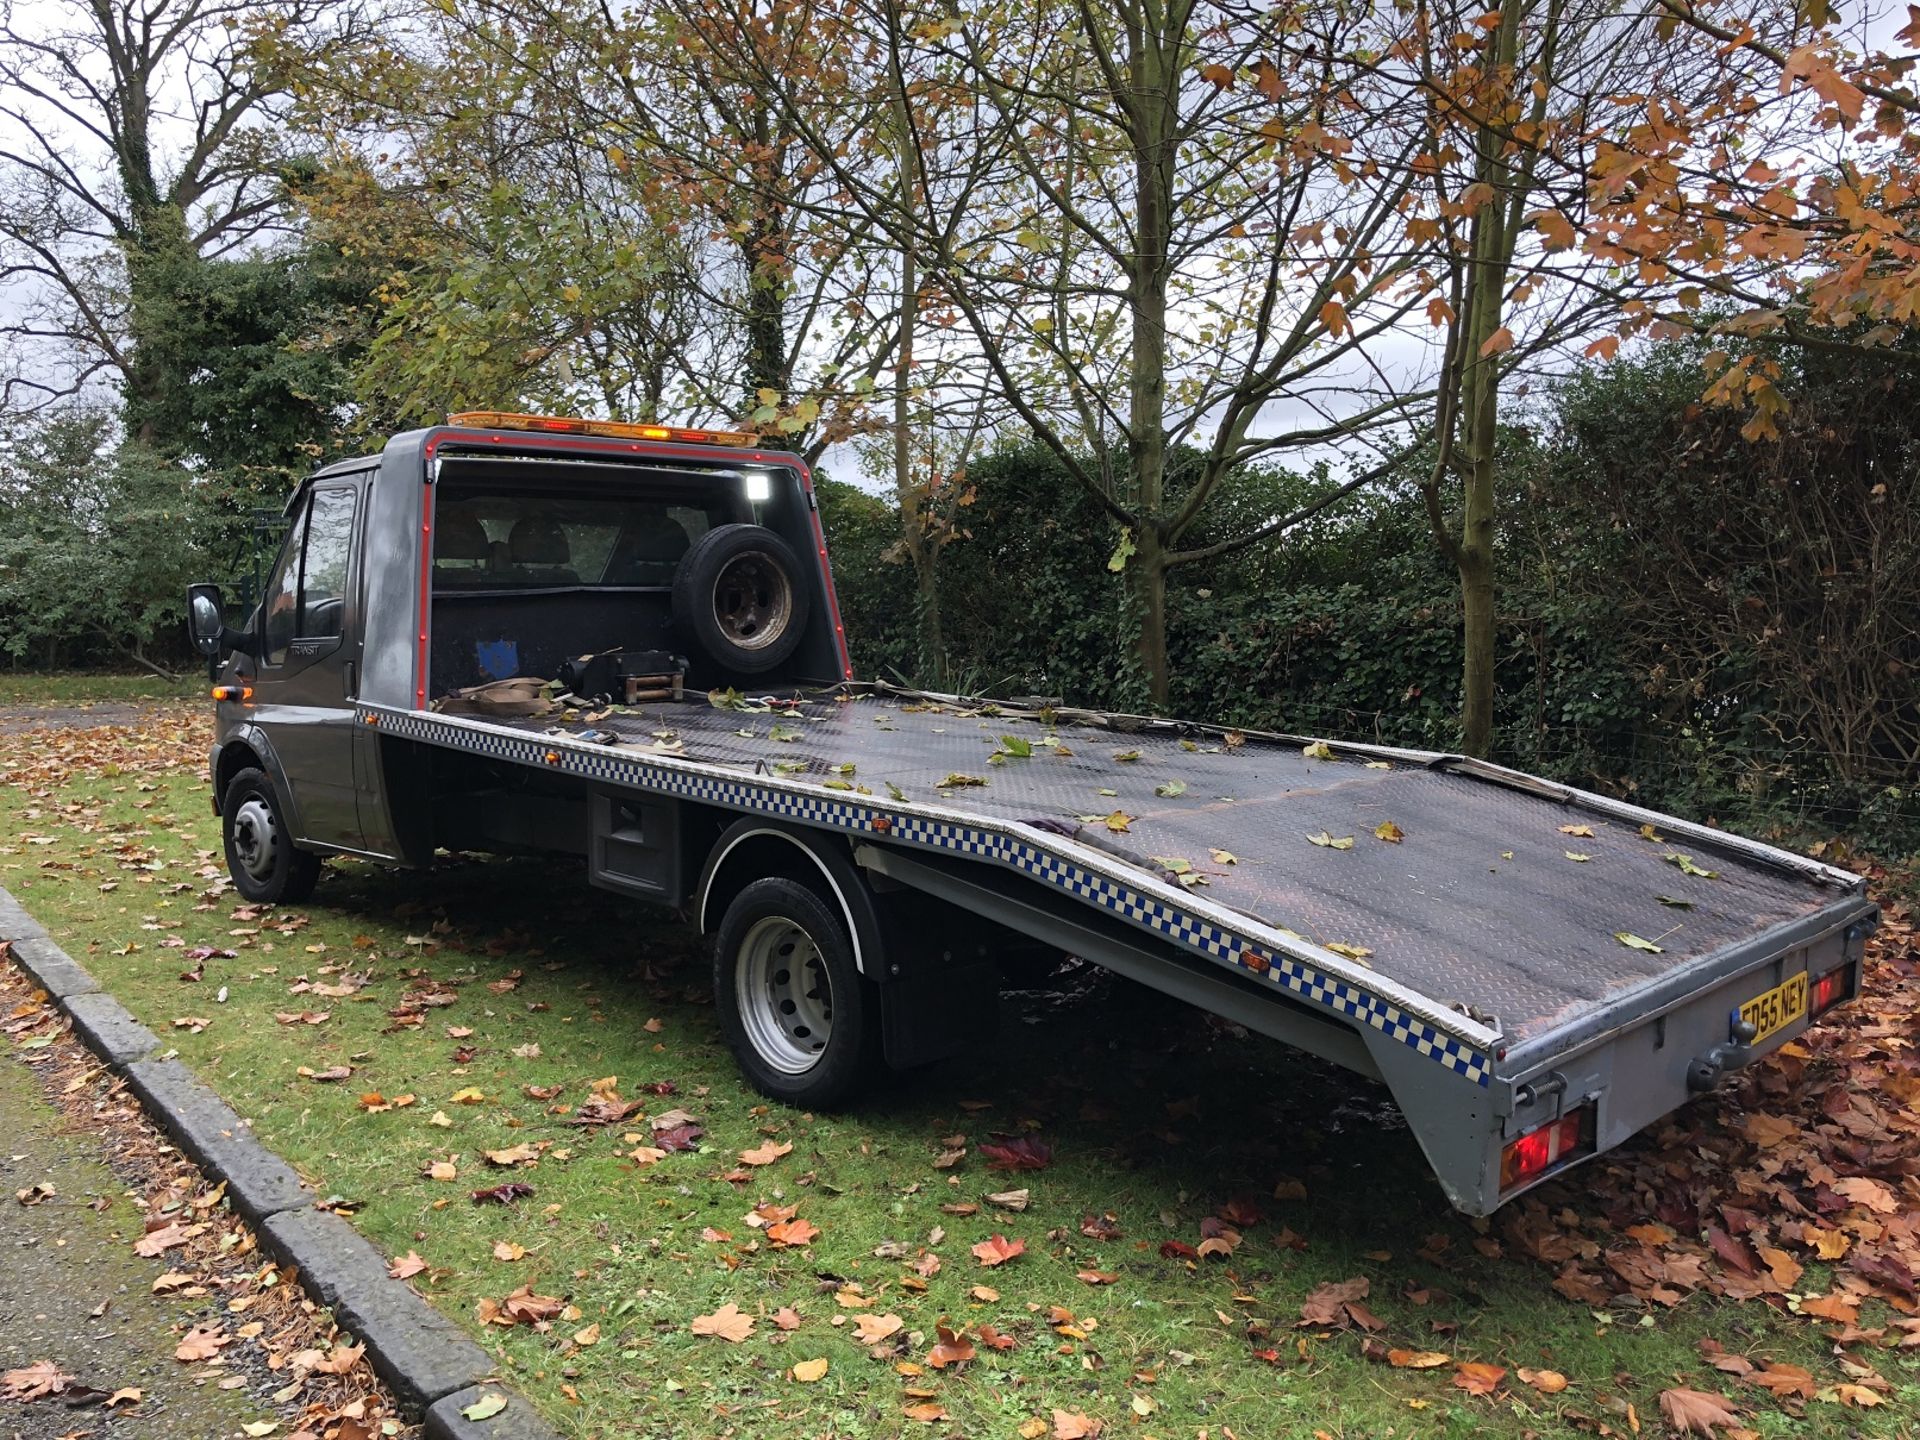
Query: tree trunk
1154	112
1147	577
910	499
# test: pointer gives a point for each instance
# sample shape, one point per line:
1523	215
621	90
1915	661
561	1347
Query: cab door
307	678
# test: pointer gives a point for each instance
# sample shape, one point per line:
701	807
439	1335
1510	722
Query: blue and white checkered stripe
1193	932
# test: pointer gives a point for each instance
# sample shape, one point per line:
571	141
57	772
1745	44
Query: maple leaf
678	1137
36	1381
203	1342
1477	1378
997	1250
1072	1425
872	1329
1022	1153
1784	1379
792	1232
727	1322
503	1194
786	1318
517	1155
167	1237
951	1348
1696	1411
1388	831
992	1338
1326	1304
765	1154
925	1411
407	1266
1547	1382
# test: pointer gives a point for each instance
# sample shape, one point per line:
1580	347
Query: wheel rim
752	600
786	1000
256	838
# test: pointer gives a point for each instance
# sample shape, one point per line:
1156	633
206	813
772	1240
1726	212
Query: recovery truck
519	634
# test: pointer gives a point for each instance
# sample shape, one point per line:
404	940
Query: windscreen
531	540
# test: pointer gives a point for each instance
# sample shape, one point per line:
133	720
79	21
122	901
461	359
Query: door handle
350	675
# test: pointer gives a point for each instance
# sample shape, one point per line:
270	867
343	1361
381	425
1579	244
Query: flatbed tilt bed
1536	972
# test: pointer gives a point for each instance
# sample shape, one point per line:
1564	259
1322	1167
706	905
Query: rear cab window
539	541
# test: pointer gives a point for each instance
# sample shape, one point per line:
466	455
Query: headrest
652	537
459	535
535	540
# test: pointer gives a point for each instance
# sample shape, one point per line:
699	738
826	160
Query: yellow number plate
1773	1010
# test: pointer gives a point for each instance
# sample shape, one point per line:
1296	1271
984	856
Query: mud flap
938	1009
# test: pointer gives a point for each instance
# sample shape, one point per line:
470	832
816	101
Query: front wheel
261	856
802	1021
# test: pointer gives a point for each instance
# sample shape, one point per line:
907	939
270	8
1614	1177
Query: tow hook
1708	1070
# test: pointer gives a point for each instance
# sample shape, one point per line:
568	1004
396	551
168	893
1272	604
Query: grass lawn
477	1008
88	687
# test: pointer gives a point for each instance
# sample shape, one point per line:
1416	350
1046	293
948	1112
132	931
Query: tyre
741	597
261	856
801	1020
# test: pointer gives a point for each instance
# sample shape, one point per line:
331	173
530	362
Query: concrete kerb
434	1370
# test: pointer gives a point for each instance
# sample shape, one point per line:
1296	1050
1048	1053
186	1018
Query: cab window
306	596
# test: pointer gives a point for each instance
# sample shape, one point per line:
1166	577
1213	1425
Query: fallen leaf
997	1250
36	1381
952	1347
1696	1411
808	1371
486	1407
1328	841
203	1342
1477	1378
872	1329
1784	1379
792	1232
727	1322
1547	1382
1071	1425
407	1266
765	1154
1388	831
1022	1153
1418	1359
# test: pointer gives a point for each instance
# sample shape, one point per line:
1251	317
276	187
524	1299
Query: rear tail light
1829	990
1538	1151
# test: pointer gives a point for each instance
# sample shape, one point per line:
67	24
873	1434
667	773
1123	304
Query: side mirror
206	620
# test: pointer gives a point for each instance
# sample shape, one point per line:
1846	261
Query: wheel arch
751	849
247	748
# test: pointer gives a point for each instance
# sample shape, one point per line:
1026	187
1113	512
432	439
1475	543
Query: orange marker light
241	693
610	429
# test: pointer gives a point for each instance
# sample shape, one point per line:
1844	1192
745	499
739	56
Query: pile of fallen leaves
248	1311
1798	1189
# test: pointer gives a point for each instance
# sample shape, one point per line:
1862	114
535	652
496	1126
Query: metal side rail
1436	1038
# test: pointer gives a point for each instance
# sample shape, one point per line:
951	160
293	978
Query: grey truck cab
621	643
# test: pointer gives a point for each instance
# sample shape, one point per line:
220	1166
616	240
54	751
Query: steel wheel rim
752	600
256	838
785	998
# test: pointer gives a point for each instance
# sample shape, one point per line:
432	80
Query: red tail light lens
1830	989
1539	1151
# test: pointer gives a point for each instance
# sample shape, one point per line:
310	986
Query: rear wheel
265	864
800	1018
